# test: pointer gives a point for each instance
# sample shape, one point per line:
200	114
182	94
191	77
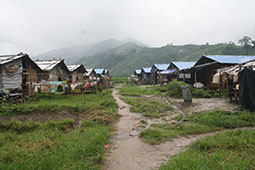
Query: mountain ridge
122	60
122	57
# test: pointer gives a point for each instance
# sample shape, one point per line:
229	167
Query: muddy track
129	152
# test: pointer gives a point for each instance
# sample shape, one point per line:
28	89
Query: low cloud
36	26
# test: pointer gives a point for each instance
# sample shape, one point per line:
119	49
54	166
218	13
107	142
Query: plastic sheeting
11	75
247	89
216	78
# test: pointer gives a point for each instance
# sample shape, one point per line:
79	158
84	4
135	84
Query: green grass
58	144
173	89
51	103
147	107
198	124
162	132
52	145
118	80
202	93
224	119
228	151
135	90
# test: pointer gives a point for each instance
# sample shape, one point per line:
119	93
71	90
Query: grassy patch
58	144
52	103
147	107
165	133
231	150
174	89
202	93
52	145
197	124
135	90
144	122
118	80
224	119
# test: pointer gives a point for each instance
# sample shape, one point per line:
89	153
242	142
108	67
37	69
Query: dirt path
129	152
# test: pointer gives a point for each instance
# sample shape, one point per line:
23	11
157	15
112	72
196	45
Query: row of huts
19	73
210	71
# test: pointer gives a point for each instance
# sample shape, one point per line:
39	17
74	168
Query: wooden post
159	77
153	78
227	83
183	77
195	78
84	96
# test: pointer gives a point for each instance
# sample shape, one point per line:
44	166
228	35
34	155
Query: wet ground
129	152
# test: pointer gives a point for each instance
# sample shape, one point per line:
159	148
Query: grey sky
37	26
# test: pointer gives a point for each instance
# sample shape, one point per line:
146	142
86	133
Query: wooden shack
76	72
90	74
229	76
166	76
53	70
146	75
99	72
180	65
19	73
138	75
206	67
106	72
156	69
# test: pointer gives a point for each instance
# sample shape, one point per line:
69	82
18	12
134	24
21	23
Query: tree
231	43
253	42
245	41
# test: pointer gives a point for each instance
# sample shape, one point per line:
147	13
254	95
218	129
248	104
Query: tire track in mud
129	152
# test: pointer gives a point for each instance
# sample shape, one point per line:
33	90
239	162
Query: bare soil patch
203	105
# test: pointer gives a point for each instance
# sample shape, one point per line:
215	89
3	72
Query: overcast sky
37	26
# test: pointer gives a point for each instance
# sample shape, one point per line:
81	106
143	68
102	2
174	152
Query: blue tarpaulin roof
138	71
162	66
229	59
167	71
99	70
184	64
147	69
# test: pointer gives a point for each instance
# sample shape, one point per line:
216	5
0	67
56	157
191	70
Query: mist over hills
72	54
122	57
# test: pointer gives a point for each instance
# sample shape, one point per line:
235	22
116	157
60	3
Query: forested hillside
121	61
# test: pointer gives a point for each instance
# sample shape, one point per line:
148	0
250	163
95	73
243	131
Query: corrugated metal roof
73	67
162	66
99	70
138	71
237	68
146	69
230	59
8	58
184	64
168	71
47	65
89	70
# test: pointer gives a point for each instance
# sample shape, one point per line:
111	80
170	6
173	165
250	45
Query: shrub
174	89
200	93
